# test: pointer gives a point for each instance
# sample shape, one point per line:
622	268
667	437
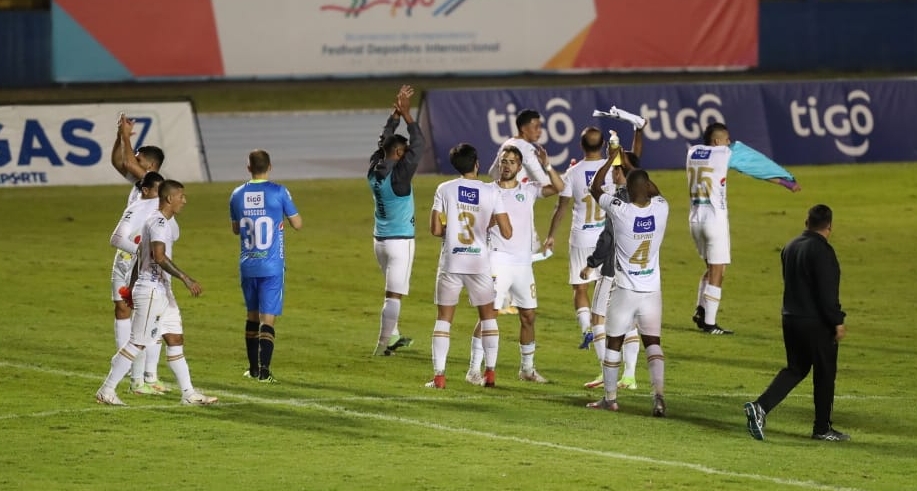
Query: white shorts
449	286
712	240
120	274
578	257
627	306
517	280
155	314
601	295
395	258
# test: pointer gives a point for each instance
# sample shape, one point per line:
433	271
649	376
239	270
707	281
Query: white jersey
638	234
156	229
468	205
126	236
588	218
707	168
531	167
519	203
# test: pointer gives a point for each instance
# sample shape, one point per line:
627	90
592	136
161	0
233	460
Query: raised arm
556	182
637	145
595	189
122	153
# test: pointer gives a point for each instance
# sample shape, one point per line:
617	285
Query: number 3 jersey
638	236
467	205
260	207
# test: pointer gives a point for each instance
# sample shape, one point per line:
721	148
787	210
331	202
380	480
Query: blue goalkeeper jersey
260	206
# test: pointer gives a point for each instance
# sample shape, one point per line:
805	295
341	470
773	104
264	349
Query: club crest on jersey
589	175
468	195
701	154
254	199
520	197
643	225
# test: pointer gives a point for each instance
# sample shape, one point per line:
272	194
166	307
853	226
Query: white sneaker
197	399
108	396
474	377
532	376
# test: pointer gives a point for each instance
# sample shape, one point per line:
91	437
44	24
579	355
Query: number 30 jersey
260	206
638	236
707	168
468	205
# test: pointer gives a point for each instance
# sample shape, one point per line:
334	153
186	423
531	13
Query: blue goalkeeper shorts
264	294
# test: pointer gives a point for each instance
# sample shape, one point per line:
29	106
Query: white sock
712	296
120	365
631	350
490	338
440	345
655	361
701	286
477	354
610	369
388	320
137	367
598	337
175	355
527	353
151	366
122	332
584	318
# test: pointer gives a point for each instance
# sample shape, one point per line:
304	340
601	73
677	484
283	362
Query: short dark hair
259	161
463	157
636	178
513	150
525	117
591	139
392	142
153	154
711	129
819	218
167	187
150	179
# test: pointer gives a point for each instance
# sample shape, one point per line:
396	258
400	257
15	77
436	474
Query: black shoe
831	435
401	342
716	329
266	377
756	420
698	318
658	406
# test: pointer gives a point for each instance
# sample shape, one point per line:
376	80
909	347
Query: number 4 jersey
638	238
260	206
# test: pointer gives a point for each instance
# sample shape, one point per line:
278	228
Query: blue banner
816	122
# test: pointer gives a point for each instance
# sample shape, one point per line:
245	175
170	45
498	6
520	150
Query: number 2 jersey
468	205
260	207
638	234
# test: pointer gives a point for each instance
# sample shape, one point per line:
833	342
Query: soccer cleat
158	385
508	311
716	330
756	420
265	376
109	397
629	383
197	399
587	340
604	404
698	318
532	376
382	351
474	377
144	389
251	374
490	378
599	382
438	382
400	342
658	406
831	435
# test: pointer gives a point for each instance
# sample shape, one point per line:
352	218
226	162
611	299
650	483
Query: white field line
310	404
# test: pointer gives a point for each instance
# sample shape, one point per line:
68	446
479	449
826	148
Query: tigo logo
254	199
644	225
701	154
468	195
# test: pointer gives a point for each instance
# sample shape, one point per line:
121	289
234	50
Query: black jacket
604	253
811	280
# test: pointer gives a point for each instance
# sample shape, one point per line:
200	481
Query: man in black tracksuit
813	323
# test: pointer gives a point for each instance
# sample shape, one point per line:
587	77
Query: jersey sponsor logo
701	154
254	199
589	175
466	250
468	195
643	225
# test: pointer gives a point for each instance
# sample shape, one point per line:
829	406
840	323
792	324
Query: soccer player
707	166
463	210
639	229
155	309
257	210
587	223
511	260
391	169
528	131
126	237
133	166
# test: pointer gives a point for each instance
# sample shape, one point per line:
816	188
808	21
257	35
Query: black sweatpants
809	343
